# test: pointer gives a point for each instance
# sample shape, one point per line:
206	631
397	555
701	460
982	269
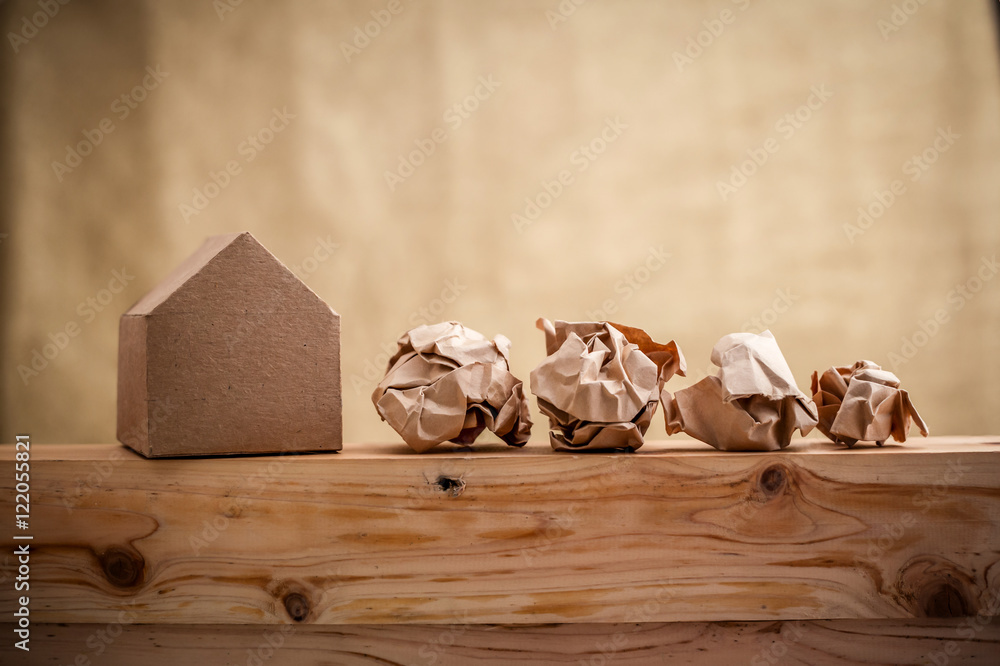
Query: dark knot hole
946	601
297	606
121	567
773	480
450	485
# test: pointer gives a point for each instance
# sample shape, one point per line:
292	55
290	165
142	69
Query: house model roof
206	280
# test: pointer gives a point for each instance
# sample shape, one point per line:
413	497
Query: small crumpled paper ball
600	383
446	383
753	404
863	402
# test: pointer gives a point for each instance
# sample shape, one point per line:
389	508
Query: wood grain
369	536
230	354
817	642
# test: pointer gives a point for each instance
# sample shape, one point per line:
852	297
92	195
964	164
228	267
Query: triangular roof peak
230	272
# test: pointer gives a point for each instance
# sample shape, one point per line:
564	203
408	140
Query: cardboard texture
863	402
600	383
752	404
447	382
229	354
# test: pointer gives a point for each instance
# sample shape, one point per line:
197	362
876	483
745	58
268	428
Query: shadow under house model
230	354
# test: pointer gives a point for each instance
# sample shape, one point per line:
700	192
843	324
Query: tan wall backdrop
684	92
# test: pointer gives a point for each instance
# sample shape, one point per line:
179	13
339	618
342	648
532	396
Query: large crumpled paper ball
863	402
446	383
753	404
600	383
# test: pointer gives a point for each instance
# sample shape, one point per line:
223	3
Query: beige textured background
322	177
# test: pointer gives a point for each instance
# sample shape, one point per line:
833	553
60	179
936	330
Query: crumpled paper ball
446	383
863	402
753	404
600	383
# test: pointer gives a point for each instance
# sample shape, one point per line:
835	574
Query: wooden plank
372	536
818	642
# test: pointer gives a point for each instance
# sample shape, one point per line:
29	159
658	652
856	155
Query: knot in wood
946	600
936	587
451	485
297	606
773	480
121	567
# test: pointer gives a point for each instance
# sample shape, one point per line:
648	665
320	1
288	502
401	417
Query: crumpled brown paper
447	382
600	383
863	402
753	403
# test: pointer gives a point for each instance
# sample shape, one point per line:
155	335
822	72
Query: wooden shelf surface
376	535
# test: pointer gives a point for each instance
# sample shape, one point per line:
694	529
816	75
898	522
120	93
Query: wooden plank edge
829	642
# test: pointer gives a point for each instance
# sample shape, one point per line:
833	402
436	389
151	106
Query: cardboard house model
230	354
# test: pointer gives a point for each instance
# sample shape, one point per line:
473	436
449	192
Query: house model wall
230	354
